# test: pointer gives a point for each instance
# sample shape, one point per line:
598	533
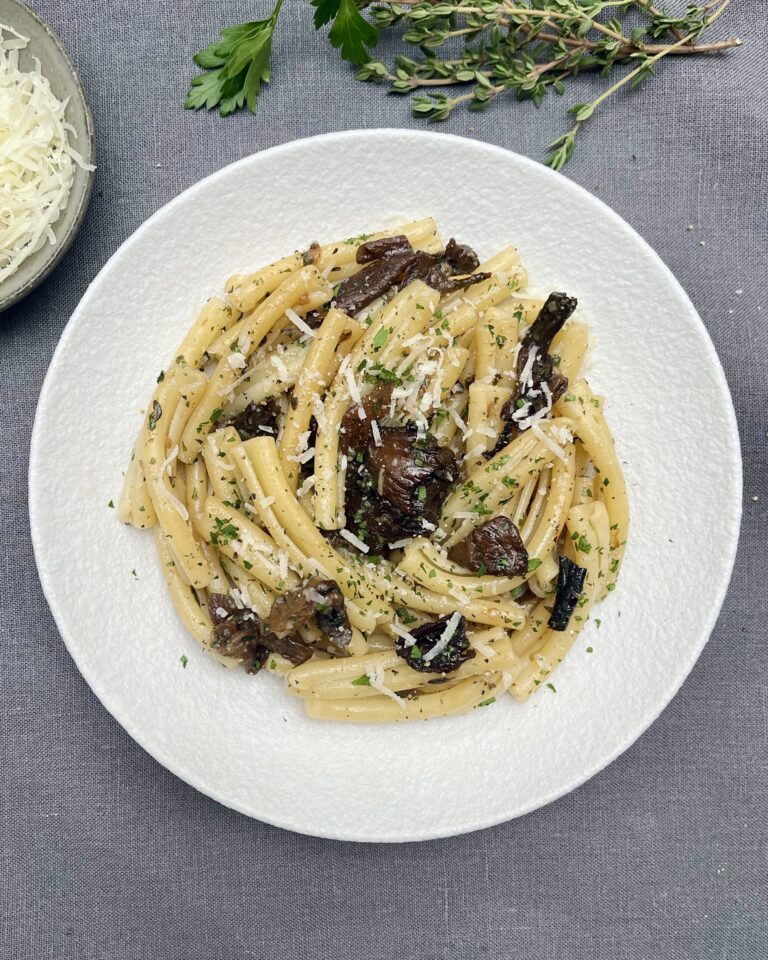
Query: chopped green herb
157	412
184	661
364	681
223	532
111	504
583	545
488	702
533	564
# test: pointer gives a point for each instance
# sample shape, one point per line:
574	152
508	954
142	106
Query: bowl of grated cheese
46	151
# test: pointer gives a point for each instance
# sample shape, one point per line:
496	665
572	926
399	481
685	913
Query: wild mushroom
570	583
440	646
415	472
494	547
257	420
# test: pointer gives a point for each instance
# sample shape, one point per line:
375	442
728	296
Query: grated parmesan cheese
237	361
376	433
526	374
445	637
376	680
166	464
401	632
177	505
459	423
37	160
306	486
549	443
297	321
355	541
485	649
398	544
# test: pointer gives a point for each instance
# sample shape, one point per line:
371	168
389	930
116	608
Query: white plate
241	739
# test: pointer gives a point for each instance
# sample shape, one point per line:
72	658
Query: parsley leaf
350	32
236	66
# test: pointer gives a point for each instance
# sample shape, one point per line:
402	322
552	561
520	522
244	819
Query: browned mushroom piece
530	397
236	632
539	381
454	648
461	257
317	600
356	431
384	247
372	282
439	273
413	472
312	254
239	633
257	420
495	547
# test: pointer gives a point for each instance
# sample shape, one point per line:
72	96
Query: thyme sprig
529	48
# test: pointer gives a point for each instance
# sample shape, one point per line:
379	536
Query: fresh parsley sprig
351	34
236	66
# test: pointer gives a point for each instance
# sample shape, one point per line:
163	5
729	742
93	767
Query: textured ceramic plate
55	65
241	739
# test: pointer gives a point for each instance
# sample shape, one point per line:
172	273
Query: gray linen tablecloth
103	854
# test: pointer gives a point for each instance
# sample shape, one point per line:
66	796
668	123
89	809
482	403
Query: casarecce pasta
374	469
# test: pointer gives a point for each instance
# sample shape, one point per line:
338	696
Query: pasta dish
374	468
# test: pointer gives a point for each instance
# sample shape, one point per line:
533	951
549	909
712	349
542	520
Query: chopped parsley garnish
183	660
405	615
157	412
224	531
583	545
364	681
488	702
381	338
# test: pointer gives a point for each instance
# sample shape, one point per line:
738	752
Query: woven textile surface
104	855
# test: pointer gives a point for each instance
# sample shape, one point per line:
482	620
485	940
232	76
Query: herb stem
665	51
649	48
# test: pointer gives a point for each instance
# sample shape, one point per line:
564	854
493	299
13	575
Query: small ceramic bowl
57	66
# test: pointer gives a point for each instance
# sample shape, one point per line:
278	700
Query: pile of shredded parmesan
37	161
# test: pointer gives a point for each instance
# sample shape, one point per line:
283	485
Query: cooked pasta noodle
374	468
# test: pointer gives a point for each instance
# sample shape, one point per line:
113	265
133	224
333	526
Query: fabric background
103	854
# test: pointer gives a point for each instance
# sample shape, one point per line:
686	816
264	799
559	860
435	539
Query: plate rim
64	242
649	715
